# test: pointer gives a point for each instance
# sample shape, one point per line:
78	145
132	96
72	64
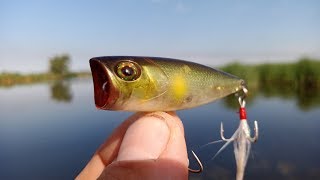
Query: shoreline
8	79
304	72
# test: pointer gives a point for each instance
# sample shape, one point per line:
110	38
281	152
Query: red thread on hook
242	113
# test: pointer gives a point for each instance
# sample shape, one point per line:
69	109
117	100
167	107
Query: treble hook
242	103
222	133
199	163
251	139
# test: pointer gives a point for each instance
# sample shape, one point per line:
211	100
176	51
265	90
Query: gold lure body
131	83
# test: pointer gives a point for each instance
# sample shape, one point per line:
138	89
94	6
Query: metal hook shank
199	163
256	132
222	133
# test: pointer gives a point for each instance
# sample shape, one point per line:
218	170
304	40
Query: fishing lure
131	83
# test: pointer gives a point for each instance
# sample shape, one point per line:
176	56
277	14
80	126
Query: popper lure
130	83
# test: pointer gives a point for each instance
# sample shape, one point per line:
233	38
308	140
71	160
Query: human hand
145	146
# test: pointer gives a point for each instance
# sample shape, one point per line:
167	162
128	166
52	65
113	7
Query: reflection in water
66	135
286	168
61	92
308	98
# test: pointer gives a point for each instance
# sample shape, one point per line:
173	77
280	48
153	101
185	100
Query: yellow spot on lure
131	83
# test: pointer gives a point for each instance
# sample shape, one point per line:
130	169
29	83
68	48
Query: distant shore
8	79
305	72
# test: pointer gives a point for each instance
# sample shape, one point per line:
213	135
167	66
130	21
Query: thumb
153	147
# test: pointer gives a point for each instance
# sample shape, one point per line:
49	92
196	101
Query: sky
212	32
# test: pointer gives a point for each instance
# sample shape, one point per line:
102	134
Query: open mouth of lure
101	83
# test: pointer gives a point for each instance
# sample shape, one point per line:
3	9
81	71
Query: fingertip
145	138
155	135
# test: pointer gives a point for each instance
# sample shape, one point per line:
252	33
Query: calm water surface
50	131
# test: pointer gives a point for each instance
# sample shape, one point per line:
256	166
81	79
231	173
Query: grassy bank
305	72
11	79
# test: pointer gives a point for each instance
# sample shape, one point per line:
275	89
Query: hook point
199	163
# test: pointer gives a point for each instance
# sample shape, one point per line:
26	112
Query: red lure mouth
101	83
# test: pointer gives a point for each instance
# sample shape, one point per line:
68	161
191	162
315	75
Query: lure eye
128	70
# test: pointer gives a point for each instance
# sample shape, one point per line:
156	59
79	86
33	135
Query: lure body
133	83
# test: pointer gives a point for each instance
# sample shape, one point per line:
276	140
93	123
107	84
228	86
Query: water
50	131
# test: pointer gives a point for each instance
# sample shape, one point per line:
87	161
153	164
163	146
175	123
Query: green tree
59	64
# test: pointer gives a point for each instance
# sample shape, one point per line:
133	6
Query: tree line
58	69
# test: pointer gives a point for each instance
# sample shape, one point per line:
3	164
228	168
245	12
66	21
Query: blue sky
210	31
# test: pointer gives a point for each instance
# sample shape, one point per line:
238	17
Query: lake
51	130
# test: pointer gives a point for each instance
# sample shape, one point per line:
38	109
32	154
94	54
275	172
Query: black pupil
127	71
